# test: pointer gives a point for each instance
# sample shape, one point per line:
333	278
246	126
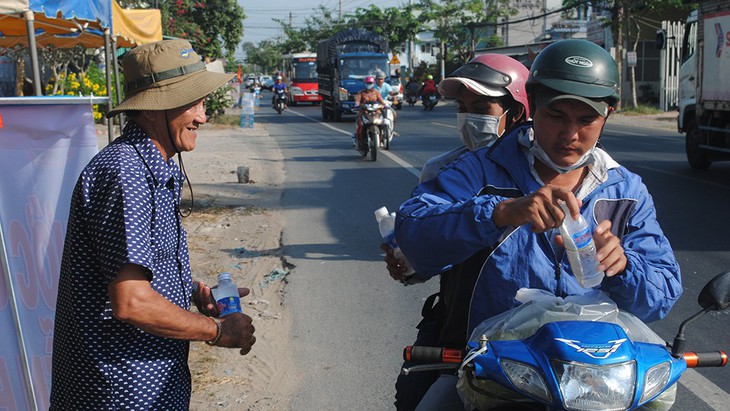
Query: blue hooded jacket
448	223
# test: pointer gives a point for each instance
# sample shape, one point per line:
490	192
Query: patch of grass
641	109
227	120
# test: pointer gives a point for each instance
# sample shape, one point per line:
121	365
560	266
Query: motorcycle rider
496	211
386	90
428	88
367	95
412	89
279	85
487	107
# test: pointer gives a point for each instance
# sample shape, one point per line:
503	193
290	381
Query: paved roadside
666	120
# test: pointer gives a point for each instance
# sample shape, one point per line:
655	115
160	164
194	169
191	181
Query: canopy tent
83	25
68	23
134	27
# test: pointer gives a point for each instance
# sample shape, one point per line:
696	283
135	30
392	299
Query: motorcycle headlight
587	387
296	91
527	379
656	379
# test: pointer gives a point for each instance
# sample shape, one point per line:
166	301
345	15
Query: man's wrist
219	332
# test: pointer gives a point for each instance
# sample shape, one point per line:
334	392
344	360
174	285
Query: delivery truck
704	84
343	62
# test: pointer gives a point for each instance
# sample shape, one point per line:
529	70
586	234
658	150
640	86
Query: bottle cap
224	276
381	213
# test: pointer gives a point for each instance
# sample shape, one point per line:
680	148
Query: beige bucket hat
164	75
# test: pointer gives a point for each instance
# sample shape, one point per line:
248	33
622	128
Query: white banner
43	149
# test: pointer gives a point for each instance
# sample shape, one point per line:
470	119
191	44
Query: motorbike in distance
429	101
377	128
412	99
574	365
279	100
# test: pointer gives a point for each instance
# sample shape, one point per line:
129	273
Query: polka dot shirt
124	209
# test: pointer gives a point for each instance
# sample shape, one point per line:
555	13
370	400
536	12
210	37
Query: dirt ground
236	227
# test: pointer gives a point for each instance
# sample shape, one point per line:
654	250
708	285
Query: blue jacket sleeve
446	221
652	282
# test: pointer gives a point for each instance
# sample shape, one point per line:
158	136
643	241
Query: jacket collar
513	148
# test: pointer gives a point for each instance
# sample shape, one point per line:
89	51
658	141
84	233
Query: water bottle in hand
581	249
226	295
386	225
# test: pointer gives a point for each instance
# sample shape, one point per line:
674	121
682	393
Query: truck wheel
696	156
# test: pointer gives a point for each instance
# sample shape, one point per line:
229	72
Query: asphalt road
351	321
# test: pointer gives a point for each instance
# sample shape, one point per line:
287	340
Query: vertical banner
43	149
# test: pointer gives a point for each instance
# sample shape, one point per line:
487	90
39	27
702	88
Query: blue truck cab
343	62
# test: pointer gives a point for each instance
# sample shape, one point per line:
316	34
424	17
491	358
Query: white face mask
584	160
369	86
478	130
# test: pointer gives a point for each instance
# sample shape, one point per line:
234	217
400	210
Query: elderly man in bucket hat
123	325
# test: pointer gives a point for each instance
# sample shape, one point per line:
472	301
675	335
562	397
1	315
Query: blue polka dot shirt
124	209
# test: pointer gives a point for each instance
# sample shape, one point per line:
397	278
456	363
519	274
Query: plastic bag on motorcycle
540	307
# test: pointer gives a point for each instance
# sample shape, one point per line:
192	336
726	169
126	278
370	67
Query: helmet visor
546	98
483	74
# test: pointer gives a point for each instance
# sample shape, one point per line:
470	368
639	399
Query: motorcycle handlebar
423	355
705	359
440	355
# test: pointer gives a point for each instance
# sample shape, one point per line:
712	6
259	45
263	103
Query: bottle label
582	238
228	305
390	240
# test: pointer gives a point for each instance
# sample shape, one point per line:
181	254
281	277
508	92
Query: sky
258	25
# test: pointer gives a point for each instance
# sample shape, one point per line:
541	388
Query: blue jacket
448	223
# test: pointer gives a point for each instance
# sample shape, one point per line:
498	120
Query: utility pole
409	44
340	18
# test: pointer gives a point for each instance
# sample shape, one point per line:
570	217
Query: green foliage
320	26
212	26
462	24
641	109
266	56
217	102
396	25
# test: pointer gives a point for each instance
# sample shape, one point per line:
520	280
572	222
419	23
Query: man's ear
611	109
149	115
519	113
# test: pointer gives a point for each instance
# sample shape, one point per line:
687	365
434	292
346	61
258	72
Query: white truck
704	84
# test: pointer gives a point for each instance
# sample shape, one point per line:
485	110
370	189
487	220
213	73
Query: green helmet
577	67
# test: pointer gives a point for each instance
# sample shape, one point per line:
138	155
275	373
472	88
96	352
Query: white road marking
703	388
408	166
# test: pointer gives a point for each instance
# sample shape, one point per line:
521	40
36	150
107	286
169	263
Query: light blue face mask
478	130
587	158
369	86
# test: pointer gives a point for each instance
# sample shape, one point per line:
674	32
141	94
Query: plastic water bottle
581	249
226	295
386	225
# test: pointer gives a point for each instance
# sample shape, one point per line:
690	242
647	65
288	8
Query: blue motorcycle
574	365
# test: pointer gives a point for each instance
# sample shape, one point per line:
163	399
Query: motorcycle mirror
716	294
